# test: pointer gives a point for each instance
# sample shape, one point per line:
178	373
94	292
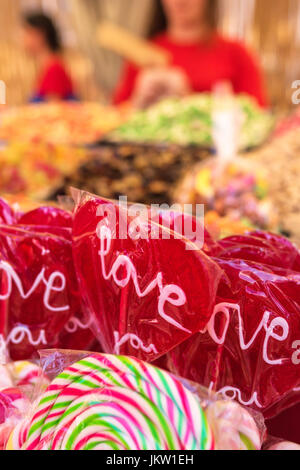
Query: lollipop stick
123	311
218	366
3	322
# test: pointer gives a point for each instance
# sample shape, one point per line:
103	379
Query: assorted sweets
13	406
44	143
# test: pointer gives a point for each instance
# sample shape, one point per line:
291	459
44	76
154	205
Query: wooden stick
131	47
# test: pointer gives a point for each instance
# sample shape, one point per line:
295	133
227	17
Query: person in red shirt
41	39
187	30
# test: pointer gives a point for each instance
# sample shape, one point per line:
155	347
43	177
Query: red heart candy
251	349
7	215
39	293
147	295
47	216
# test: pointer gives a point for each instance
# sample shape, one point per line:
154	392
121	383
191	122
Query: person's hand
158	83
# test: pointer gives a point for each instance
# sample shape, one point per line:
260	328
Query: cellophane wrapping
40	303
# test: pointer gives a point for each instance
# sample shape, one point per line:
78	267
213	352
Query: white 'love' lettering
49	283
277	322
171	293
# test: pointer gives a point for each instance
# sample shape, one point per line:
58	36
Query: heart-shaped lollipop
7	214
148	287
39	294
250	350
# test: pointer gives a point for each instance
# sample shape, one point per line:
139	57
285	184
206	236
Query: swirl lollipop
5	378
234	428
27	374
109	402
13	406
284	445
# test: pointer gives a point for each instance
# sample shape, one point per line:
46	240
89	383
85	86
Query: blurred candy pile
189	121
58	123
280	160
34	169
236	191
144	173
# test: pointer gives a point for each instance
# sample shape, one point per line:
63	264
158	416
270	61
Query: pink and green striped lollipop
114	402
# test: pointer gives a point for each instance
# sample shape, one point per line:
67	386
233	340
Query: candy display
218	309
189	121
237	190
40	302
115	403
149	228
227	319
146	294
58	123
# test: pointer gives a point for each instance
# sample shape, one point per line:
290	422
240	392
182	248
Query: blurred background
151	129
271	29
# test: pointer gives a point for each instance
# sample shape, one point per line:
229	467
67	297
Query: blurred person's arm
144	87
126	85
157	83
